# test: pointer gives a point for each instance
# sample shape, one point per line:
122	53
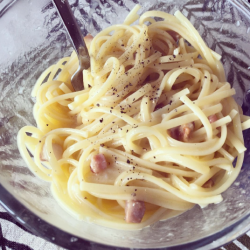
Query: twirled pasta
156	111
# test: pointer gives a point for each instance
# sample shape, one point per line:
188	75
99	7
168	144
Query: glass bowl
32	38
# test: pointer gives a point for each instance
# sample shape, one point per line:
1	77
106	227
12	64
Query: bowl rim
39	227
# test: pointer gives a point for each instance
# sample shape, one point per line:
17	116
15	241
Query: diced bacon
87	40
209	184
185	131
174	132
174	34
134	211
98	163
212	118
57	150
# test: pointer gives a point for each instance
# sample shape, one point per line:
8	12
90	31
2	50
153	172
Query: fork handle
71	25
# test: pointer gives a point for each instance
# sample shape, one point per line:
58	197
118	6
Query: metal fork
77	41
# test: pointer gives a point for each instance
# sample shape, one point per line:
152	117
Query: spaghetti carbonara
154	132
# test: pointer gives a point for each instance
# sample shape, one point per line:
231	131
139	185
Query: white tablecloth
15	237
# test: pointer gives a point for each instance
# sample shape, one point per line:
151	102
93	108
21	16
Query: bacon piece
209	184
174	34
174	132
134	211
57	150
212	118
88	39
98	163
185	131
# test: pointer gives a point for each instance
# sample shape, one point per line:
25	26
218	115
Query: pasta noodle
155	129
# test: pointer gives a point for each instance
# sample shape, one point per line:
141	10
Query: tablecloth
13	236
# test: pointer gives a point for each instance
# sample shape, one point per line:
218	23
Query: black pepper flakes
101	120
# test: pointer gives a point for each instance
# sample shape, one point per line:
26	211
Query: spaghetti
154	132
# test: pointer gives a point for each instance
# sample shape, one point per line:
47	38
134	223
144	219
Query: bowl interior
37	40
